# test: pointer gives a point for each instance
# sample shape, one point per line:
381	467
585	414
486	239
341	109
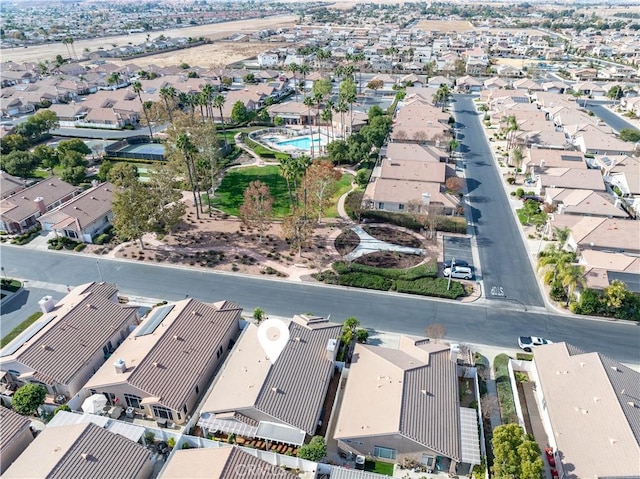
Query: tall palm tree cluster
293	169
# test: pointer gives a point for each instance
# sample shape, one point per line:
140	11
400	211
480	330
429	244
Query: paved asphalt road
495	324
506	270
611	119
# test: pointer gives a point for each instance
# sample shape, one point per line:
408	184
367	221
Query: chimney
121	366
332	349
39	201
94	183
47	304
426	199
453	352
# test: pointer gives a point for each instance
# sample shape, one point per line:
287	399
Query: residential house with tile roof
166	364
16	436
404	403
20	212
84	216
590	411
570	178
605	234
229	462
583	203
67	345
10	185
601	269
289	390
82	450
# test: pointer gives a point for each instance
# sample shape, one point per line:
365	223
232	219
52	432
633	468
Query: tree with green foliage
516	454
47	156
37	125
137	89
165	206
18	163
28	398
258	315
630	134
239	113
362	177
131	206
315	450
338	152
62	407
13	142
75	144
615	92
348	95
105	168
615	294
74	167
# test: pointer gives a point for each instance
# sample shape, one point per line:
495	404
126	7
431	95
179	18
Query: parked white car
460	272
528	343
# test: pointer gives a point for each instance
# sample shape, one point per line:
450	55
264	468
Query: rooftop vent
195	313
275	390
631	403
156	364
615	368
120	365
85	456
176	337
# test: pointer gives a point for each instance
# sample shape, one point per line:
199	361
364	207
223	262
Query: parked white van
460	272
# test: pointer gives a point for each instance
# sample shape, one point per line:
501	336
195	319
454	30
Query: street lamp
453	262
99	271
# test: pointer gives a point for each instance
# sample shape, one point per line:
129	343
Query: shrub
79	247
101	239
63	407
364	280
171	442
520	192
511	180
431	287
149	436
524	357
429	270
503	386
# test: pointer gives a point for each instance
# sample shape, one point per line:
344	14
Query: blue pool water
303	142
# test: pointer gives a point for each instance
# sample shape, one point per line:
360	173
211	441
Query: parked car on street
459	262
459	272
528	343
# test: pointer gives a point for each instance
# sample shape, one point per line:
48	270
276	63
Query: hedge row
365	280
429	270
449	224
431	287
503	386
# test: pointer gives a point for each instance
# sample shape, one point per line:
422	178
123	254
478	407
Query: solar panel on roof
25	336
570	158
154	320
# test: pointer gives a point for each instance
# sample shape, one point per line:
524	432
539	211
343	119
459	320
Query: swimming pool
302	142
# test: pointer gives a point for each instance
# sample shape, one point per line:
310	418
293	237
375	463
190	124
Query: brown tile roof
81	450
614	234
21	206
10	184
220	463
84	322
414	170
403	191
82	210
592	402
292	390
573	178
585	202
12	424
413	151
415	385
168	362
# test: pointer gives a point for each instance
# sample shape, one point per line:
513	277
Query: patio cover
66	418
280	433
209	421
469	438
343	473
125	429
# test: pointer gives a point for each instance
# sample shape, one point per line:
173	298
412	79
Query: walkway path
341	210
369	244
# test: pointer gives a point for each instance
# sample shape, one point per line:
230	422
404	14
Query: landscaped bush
327	277
398	219
62	242
101	239
511	180
79	247
364	280
503	386
353	202
429	270
431	287
453	224
524	357
520	192
26	237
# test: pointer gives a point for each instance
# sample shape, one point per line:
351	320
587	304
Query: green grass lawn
20	328
230	193
343	186
379	467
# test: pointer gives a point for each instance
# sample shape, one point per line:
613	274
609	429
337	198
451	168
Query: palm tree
201	101
114	79
168	95
552	261
327	115
309	101
562	234
572	277
287	170
318	98
218	102
294	68
341	108
304	70
137	88
358	58
188	149
207	94
517	156
512	126
301	165
66	43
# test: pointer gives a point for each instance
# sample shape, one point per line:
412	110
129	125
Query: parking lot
458	248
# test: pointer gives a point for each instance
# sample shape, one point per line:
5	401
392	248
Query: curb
11	296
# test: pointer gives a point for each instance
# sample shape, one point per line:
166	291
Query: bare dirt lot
213	55
214	31
445	25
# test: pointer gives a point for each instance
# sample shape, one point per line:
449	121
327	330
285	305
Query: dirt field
215	31
206	56
445	25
